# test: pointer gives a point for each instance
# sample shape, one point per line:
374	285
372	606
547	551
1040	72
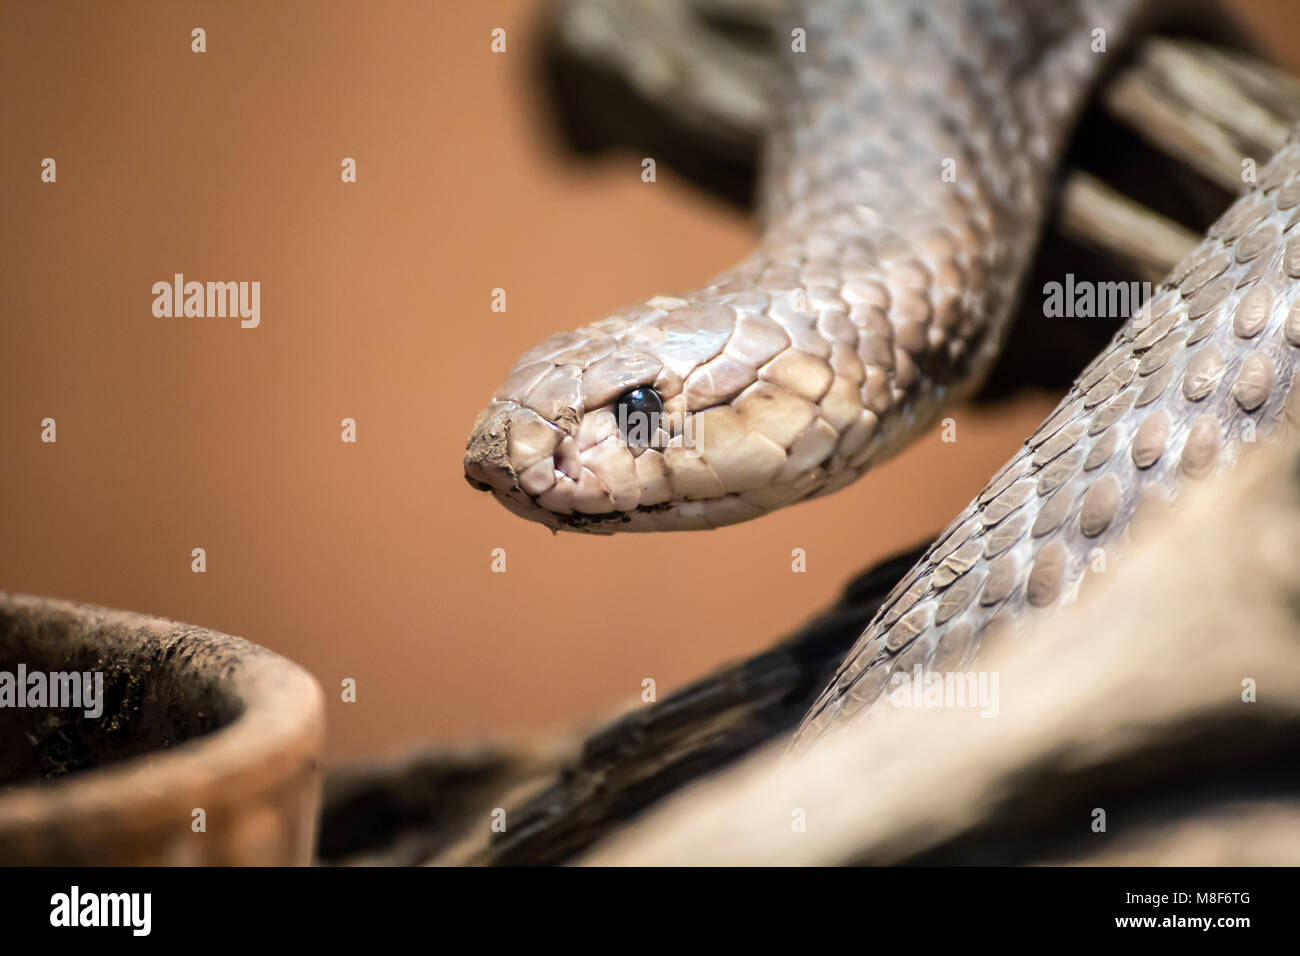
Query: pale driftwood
1207	107
1092	212
1131	702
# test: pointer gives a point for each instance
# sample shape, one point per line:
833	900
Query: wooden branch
1132	702
437	804
1205	107
403	810
1093	213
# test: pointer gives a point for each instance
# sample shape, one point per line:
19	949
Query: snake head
581	434
671	415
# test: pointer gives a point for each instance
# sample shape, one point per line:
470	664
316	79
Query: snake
904	185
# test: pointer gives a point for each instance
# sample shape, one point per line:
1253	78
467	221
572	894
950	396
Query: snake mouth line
604	523
526	506
580	522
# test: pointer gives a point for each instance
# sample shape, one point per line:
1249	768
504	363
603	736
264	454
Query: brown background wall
367	560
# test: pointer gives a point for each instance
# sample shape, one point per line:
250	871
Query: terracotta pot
206	749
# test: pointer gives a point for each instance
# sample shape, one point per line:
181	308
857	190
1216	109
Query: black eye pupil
642	400
638	413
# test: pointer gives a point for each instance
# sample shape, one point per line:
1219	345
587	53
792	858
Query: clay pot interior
193	746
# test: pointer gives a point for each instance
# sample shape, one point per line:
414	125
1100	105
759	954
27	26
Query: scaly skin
1199	373
879	292
904	191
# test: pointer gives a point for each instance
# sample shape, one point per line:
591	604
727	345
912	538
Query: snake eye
638	412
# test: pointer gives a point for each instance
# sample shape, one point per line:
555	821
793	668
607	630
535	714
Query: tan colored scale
1044	583
1218	345
1203	373
1059	471
1101	451
1201	449
878	293
1149	440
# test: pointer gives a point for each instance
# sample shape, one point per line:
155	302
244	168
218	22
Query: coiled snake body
902	197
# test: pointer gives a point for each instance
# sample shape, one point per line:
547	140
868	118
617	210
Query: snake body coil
903	193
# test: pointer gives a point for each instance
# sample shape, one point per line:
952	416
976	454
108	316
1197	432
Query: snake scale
903	192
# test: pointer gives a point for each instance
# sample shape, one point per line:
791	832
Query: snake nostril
477	485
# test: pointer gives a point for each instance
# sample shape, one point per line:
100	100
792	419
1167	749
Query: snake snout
512	453
487	453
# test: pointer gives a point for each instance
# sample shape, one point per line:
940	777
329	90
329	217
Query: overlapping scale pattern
1200	373
900	207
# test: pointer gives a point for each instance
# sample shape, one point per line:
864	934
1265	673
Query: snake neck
903	193
906	179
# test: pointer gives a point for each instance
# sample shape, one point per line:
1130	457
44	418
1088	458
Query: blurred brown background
369	560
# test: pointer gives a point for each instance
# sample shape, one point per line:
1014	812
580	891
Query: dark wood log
1158	715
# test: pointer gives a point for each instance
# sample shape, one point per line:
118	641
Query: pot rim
277	732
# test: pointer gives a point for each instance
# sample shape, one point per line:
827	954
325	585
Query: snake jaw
561	477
